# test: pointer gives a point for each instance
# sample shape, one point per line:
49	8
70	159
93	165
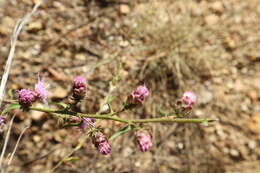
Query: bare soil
206	46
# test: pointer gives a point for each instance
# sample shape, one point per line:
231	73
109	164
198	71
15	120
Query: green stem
111	116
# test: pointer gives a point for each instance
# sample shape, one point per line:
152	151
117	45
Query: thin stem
111	116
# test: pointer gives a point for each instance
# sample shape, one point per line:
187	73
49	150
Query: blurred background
210	47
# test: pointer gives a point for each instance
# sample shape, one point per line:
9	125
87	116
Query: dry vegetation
209	47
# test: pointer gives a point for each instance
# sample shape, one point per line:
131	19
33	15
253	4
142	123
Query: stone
211	19
34	26
217	6
124	9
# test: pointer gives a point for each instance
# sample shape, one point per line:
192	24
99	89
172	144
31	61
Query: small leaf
70	159
162	113
63	105
11	107
120	132
10	93
72	124
205	123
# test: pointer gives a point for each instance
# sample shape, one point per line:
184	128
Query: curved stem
111	116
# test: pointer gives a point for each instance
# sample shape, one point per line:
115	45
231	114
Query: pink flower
26	97
139	94
104	148
101	143
41	90
189	99
79	87
144	140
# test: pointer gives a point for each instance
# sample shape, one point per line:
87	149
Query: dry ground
211	47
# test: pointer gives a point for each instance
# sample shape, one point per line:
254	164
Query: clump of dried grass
174	55
172	38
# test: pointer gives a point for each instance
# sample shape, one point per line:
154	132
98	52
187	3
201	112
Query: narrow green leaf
11	107
10	93
71	159
162	113
61	104
120	132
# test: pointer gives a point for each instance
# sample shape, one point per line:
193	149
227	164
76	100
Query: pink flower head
79	87
139	94
86	122
189	99
104	148
41	90
26	97
101	143
144	140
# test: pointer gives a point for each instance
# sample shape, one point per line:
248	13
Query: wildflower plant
72	117
86	122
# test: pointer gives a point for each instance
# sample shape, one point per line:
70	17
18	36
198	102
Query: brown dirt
209	47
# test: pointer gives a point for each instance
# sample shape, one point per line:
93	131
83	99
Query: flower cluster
144	140
41	90
188	99
101	143
136	98
185	104
27	97
79	88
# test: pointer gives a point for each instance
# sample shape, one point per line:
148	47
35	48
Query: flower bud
41	90
85	123
79	87
188	99
144	140
138	95
101	143
26	97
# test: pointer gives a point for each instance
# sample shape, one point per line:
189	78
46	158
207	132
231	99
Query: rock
59	92
253	95
234	152
80	56
254	124
124	43
37	115
217	6
211	19
124	9
229	43
127	151
180	145
205	96
258	9
252	144
36	138
7	25
34	26
59	6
